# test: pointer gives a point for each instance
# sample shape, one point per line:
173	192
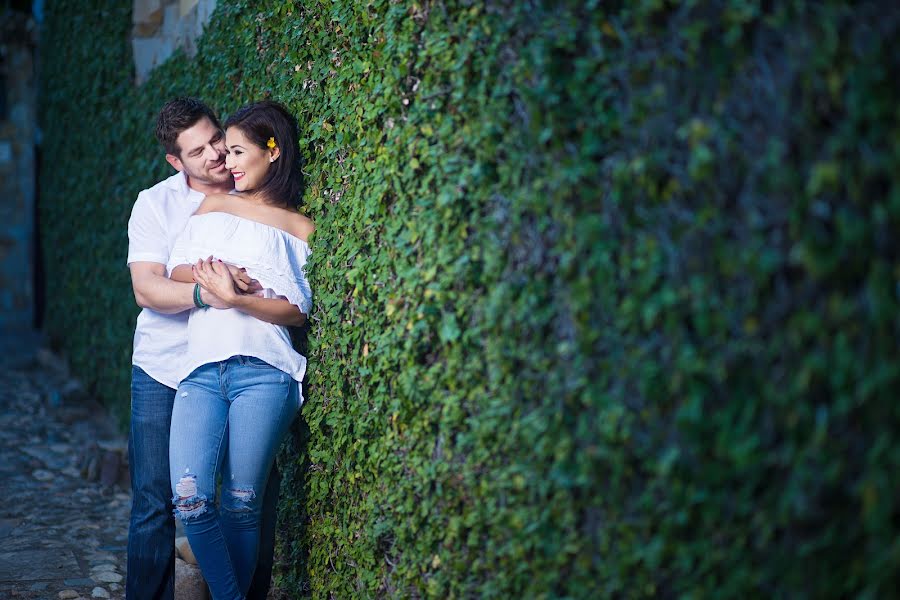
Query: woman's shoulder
214	202
300	226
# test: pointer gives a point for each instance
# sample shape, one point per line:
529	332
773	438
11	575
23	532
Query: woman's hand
215	276
242	281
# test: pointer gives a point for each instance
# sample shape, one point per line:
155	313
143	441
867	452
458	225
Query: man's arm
153	290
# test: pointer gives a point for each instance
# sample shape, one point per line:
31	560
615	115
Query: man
195	146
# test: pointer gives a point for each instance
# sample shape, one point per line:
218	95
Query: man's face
202	156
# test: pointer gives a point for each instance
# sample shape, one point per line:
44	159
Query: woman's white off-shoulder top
276	259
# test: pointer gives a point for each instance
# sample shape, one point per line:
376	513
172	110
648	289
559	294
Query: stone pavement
64	475
63	525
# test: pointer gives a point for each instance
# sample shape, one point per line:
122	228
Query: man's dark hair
176	116
259	122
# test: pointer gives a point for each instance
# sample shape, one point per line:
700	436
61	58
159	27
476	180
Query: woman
240	386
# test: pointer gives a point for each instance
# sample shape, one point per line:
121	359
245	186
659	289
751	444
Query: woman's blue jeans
229	419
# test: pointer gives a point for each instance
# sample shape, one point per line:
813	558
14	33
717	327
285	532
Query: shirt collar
178	182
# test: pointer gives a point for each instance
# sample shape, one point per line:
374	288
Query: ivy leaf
449	330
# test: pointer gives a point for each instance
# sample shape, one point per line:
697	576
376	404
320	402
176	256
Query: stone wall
163	26
17	171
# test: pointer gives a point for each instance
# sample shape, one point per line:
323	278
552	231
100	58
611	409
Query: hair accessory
198	301
271	143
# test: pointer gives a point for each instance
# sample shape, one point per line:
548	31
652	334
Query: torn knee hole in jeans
238	499
188	503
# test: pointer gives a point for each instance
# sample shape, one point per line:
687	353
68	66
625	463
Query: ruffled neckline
291	237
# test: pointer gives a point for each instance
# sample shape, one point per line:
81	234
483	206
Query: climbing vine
606	293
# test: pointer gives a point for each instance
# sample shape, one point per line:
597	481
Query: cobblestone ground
63	536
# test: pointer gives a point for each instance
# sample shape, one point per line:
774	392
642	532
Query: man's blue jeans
229	419
151	532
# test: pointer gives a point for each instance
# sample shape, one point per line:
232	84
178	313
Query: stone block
183	548
171	21
147	12
162	26
148	53
36	565
145	30
186	6
205	10
189	582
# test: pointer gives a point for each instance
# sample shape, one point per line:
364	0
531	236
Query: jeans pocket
256	363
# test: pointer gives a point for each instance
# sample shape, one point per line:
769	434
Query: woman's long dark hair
259	122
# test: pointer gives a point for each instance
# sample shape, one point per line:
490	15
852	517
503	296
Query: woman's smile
247	161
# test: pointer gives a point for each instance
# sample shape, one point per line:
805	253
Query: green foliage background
606	293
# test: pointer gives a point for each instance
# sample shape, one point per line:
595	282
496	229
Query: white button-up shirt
159	215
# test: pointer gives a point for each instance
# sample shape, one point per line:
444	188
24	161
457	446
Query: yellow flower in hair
271	142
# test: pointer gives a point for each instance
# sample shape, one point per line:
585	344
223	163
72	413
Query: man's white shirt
159	215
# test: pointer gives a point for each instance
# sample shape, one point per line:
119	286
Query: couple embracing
217	254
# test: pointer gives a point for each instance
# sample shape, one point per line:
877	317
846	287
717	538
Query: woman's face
247	162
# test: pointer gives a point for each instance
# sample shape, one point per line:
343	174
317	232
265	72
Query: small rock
117	446
101	557
91	470
114	587
52	362
67	595
99	592
42	475
72	390
103	567
189	582
183	548
106	577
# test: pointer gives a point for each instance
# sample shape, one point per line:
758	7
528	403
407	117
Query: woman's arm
214	276
183	273
271	310
243	283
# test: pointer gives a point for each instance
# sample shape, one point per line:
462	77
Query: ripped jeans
229	419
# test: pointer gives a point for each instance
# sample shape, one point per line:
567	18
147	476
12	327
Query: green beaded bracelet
198	301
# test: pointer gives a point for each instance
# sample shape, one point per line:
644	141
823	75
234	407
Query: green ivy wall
606	293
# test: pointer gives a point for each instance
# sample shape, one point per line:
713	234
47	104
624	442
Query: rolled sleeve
180	254
146	234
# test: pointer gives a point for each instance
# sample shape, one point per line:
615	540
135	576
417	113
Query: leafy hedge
607	293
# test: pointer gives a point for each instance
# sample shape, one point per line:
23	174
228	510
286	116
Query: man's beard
207	176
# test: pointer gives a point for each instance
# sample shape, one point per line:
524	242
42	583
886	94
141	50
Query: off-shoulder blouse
272	256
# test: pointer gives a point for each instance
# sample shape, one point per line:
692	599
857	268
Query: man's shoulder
165	202
173	187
